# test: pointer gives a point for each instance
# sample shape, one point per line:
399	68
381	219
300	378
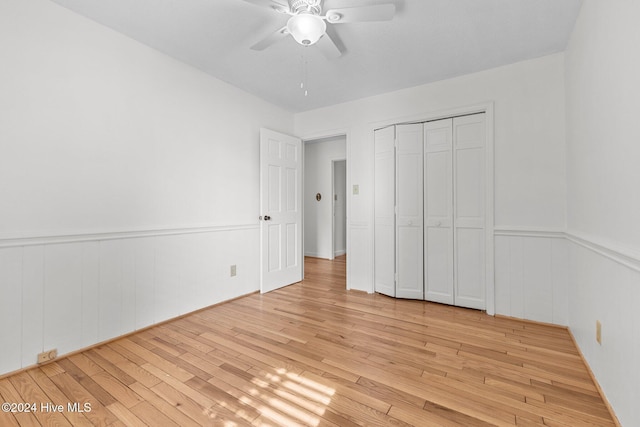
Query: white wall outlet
233	270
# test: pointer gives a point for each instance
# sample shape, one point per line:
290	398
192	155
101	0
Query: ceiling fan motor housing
305	6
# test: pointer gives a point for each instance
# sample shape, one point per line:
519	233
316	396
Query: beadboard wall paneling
73	294
605	286
532	275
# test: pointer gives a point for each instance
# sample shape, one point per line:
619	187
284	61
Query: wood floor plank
127	417
197	411
163	406
118	390
151	416
99	414
10	395
314	354
30	392
56	396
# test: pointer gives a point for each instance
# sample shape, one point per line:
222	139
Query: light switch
356	189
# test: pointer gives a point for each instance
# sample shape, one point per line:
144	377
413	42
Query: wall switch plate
599	332
233	270
356	189
46	356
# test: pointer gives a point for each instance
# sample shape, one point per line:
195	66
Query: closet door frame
488	109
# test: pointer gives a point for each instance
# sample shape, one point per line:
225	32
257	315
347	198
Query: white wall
529	148
602	93
318	155
128	183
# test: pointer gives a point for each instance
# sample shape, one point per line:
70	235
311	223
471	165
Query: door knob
438	224
267	218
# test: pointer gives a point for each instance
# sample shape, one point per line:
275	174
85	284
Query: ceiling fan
308	25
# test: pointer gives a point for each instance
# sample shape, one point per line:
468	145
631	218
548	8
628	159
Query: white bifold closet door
384	212
429	226
438	211
469	210
454	254
409	217
398	205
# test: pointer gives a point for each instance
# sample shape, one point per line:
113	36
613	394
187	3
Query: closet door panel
438	186
384	212
438	209
470	187
469	196
439	265
410	284
470	268
409	219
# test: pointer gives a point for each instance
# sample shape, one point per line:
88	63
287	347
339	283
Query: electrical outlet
356	189
46	356
599	332
233	270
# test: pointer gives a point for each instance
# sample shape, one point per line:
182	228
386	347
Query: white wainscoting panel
532	275
605	287
145	282
63	305
91	268
32	303
10	307
360	262
72	292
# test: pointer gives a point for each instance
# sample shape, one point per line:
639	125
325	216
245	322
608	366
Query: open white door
280	210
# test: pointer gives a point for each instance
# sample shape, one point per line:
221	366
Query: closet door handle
438	224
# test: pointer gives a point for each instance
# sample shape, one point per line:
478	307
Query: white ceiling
428	40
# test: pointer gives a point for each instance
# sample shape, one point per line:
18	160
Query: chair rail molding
34	239
621	254
554	233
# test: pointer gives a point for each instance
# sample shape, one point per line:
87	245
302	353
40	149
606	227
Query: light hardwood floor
315	354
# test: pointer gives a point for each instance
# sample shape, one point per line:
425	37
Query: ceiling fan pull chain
306	77
304	71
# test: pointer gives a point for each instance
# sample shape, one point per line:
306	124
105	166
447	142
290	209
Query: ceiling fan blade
328	47
277	5
379	12
271	39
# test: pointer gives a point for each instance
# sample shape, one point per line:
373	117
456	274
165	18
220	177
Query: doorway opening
325	189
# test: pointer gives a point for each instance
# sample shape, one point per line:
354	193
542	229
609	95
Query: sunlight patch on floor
286	398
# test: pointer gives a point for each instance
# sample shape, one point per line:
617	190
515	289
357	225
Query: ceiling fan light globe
306	28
